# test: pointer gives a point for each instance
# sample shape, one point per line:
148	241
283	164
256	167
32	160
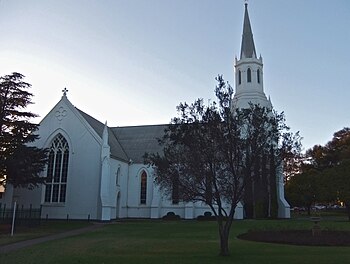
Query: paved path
31	242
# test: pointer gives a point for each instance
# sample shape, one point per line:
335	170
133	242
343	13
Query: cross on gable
65	90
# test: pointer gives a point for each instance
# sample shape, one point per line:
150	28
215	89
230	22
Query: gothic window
258	75
117	176
57	170
143	189
249	75
239	77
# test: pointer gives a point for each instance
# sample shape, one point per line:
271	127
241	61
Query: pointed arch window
143	188
239	77
57	171
249	75
258	75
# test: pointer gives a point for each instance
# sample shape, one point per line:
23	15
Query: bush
171	216
208	216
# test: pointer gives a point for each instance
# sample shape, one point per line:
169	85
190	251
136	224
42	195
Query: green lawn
179	242
46	228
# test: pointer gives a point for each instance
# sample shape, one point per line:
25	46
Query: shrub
171	216
208	216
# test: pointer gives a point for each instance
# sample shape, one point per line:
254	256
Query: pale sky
131	62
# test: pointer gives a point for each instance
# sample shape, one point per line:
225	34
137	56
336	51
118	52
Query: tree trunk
269	202
309	210
253	197
224	234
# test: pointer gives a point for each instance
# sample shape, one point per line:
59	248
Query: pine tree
20	163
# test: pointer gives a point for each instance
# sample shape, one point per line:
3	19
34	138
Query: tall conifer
20	163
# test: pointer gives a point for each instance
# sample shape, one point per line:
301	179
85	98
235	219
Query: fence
24	216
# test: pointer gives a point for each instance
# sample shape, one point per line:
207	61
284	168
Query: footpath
39	240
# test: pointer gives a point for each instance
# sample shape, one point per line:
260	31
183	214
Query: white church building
97	172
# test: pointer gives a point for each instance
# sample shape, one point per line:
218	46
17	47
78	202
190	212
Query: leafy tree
331	164
269	158
20	164
218	156
304	189
293	159
317	158
336	167
341	180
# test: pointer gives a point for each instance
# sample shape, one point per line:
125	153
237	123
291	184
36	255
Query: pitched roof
131	142
247	46
136	140
117	150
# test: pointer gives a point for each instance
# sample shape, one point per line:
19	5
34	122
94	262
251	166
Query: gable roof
130	142
137	140
116	149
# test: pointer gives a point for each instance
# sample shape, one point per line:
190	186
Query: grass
179	242
46	228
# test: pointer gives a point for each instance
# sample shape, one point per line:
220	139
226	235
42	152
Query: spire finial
65	90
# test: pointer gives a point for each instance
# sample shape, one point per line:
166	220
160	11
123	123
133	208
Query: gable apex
61	103
62	110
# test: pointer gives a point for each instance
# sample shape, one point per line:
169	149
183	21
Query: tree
20	164
293	159
214	154
336	166
273	147
304	189
331	164
341	180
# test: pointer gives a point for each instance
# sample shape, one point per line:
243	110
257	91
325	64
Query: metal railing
24	216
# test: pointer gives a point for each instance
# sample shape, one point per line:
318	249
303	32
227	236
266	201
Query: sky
131	62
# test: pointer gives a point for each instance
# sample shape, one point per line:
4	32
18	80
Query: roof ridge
89	115
141	126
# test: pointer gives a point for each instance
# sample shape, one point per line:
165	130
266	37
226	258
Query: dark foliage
171	216
221	156
325	175
20	163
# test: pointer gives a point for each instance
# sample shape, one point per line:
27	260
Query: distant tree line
323	174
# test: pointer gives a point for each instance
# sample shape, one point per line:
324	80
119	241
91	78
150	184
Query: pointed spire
105	135
247	47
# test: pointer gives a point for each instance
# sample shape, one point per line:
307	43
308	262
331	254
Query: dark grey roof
116	148
247	47
136	140
130	142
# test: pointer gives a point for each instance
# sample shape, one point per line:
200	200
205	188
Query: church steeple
247	46
249	72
